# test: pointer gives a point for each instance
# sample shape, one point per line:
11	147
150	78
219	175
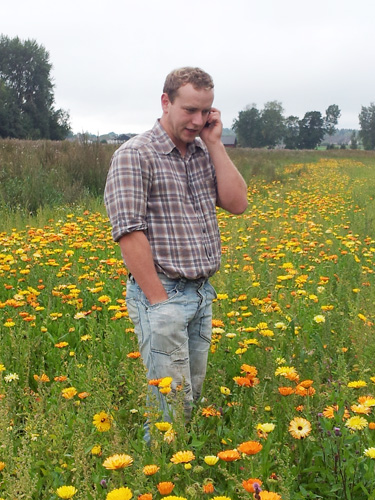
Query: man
161	196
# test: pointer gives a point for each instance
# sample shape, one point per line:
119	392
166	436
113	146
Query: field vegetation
288	409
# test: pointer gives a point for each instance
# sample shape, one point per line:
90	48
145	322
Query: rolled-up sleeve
125	194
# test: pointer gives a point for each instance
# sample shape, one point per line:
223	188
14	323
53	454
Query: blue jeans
174	336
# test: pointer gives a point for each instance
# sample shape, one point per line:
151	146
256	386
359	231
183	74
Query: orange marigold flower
165	487
116	462
329	411
249	484
371	425
42	378
208	488
286	391
306	383
217	323
83	395
245	381
250	447
61	344
60	378
145	496
154	381
229	455
133	355
269	495
302	391
250	370
210	411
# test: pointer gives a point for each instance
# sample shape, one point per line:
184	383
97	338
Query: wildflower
225	390
182	457
299	428
133	355
150	470
329	411
170	435
319	318
249	484
364	410
366	401
221	498
120	494
42	378
356	423
83	395
250	447
211	459
210	411
96	450
173	497
60	345
60	378
287	372
371	426
11	377
286	391
165	487
66	491
102	421
116	462
2	466
2	368
145	496
357	384
163	426
250	370
69	392
370	452
229	455
269	495
267	428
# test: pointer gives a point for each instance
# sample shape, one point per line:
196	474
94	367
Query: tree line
27	107
268	127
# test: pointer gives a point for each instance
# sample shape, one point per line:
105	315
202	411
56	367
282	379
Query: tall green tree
311	130
291	133
272	124
27	92
248	128
367	124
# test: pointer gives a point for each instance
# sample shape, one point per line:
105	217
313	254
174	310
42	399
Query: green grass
296	293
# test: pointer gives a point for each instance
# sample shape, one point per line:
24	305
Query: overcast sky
110	58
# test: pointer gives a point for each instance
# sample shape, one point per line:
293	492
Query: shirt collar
164	144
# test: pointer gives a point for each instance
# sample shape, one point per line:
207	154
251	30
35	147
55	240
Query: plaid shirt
152	188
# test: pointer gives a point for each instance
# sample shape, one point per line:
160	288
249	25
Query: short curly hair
179	77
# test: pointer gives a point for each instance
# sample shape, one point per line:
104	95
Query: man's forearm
137	255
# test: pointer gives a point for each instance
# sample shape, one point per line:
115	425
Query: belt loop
181	284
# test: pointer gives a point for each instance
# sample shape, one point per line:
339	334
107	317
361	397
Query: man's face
184	119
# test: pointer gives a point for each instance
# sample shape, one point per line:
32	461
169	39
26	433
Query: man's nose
198	119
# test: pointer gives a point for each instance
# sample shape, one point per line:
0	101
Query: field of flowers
288	409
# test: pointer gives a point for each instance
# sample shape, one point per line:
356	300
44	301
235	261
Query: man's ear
165	102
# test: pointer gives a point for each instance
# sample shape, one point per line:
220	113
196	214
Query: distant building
229	141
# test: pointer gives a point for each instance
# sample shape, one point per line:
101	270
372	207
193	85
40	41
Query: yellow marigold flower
149	470
356	423
221	498
66	491
165	382
2	466
370	452
69	392
170	435
285	371
104	299
366	400
225	390
117	461
165	487
102	421
182	457
229	455
165	390
211	459
372	379
173	497
357	384
163	426
267	428
2	368
299	428
96	450
362	317
329	412
319	318
120	494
